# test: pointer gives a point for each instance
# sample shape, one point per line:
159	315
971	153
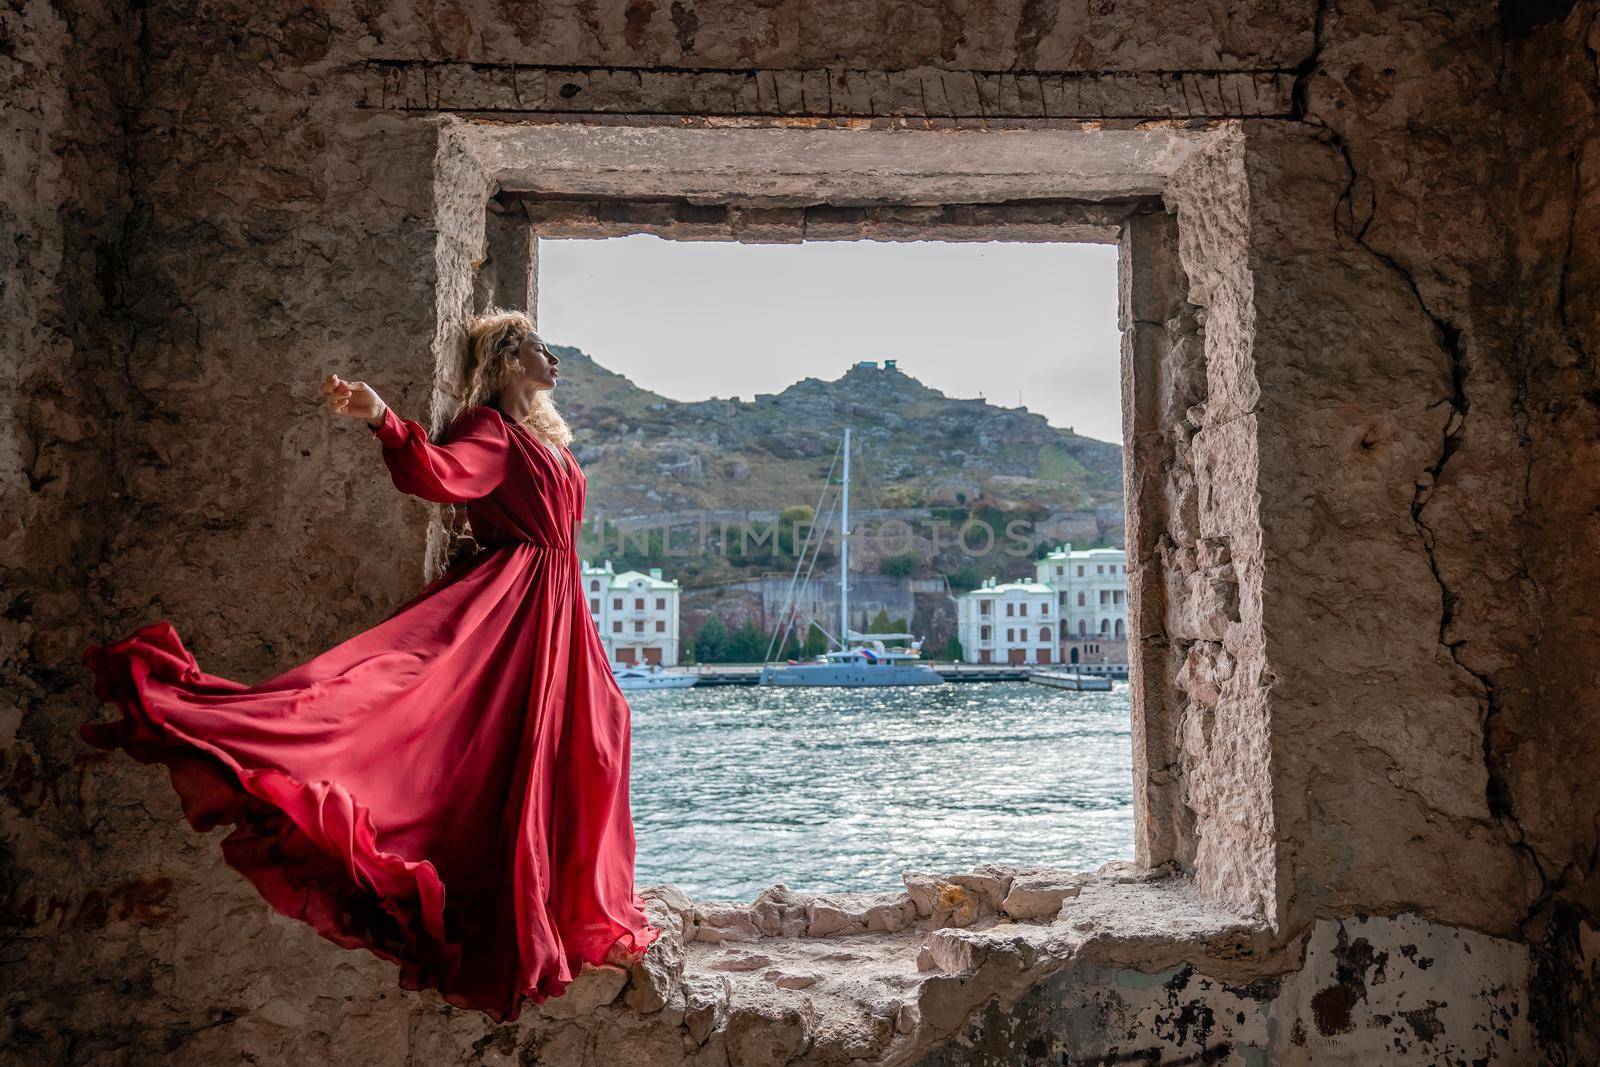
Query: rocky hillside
916	448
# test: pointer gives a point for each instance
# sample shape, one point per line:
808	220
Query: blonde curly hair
493	336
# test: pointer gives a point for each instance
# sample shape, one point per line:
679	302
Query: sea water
833	789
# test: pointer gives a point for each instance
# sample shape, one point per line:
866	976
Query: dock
1080	683
750	673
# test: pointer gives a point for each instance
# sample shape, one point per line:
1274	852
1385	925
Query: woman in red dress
448	789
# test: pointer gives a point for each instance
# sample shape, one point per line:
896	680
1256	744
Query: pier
750	673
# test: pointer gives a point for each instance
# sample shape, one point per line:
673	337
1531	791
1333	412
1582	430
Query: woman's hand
355	399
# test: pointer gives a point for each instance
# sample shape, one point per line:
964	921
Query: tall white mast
844	550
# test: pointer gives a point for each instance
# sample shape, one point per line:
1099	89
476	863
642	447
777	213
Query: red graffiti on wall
141	901
31	783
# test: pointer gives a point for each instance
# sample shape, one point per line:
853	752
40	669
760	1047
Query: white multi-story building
1091	589
636	613
1013	622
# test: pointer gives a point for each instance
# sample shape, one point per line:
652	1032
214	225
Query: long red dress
448	789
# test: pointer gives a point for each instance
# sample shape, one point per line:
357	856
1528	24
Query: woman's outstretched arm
467	464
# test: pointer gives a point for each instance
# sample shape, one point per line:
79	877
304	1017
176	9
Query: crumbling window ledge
877	976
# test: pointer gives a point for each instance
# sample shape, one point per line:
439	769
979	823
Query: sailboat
861	659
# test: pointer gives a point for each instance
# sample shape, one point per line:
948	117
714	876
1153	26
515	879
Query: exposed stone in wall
508	275
1212	561
1010	35
928	96
1158	386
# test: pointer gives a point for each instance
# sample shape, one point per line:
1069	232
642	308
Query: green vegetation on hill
941	458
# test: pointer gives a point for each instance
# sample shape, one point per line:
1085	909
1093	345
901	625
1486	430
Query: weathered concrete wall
197	249
64	198
1541	742
1552	396
1388	648
1369	310
67	231
1408	430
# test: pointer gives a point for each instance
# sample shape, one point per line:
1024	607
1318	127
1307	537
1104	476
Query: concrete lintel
786	167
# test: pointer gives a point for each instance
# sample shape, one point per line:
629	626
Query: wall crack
1448	339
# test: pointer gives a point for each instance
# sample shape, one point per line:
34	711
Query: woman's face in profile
532	368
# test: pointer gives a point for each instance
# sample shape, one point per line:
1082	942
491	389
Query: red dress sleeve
468	463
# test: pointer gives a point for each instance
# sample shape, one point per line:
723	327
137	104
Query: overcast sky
1034	324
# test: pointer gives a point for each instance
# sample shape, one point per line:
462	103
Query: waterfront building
636	613
1091	587
1010	622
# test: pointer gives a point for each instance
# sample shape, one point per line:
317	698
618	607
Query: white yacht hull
633	681
849	674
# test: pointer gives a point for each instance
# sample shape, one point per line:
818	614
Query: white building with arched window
636	613
1091	587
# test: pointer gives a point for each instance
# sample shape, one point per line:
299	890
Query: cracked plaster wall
1420	436
1401	358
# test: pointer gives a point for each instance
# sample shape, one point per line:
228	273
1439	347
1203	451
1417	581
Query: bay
833	790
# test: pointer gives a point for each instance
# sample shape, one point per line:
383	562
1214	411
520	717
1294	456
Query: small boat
861	659
1082	683
651	676
863	664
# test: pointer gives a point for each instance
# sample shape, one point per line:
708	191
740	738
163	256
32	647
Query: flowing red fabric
448	789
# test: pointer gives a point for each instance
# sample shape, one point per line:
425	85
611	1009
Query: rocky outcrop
720	453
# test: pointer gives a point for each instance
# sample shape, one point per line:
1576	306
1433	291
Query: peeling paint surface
1370	990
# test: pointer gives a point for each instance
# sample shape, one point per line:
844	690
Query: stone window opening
1120	185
